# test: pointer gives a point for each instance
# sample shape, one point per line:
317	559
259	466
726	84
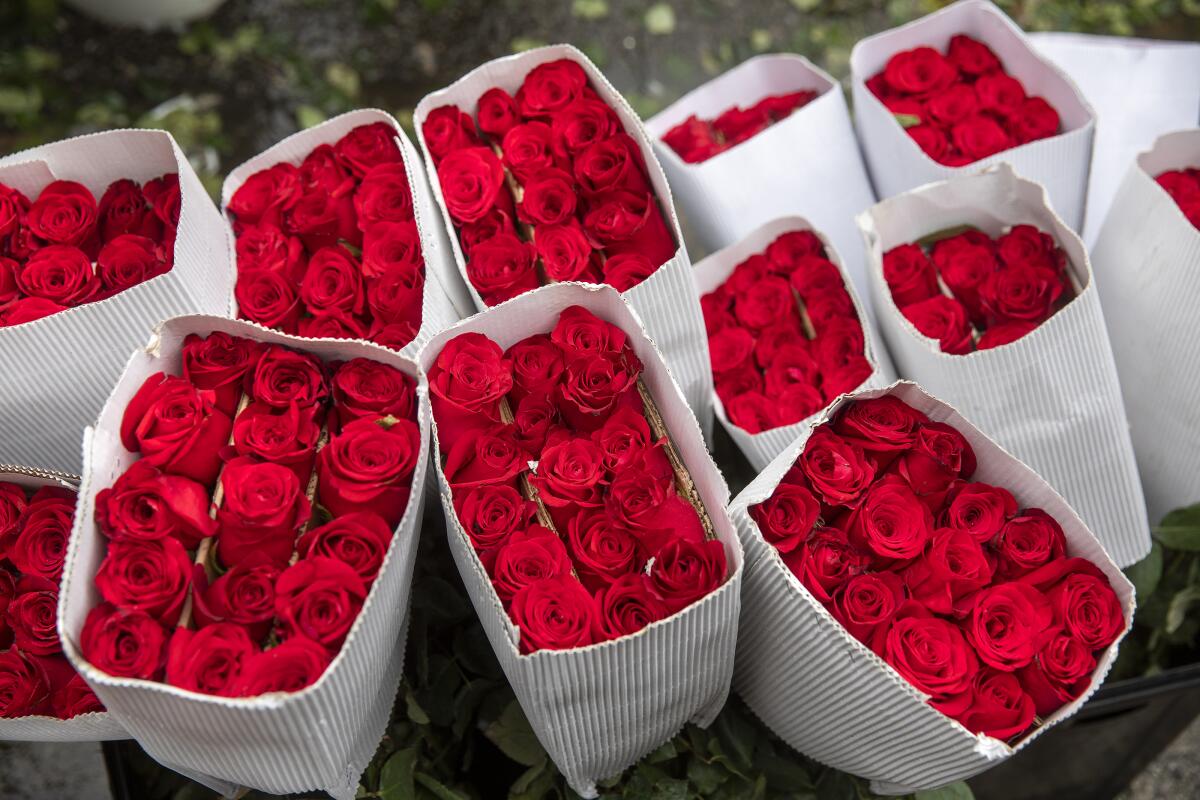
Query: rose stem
524	229
527	487
810	332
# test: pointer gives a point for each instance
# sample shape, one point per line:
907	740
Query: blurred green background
232	84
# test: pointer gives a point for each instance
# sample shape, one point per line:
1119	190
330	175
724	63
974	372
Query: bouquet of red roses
586	519
998	260
41	697
117	229
963	88
923	573
780	136
1147	258
545	175
258	497
333	233
786	335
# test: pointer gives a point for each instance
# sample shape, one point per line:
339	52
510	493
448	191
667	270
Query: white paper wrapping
93	727
1147	261
828	695
58	370
897	164
1051	397
441	281
666	301
760	448
320	738
1140	89
598	709
786	169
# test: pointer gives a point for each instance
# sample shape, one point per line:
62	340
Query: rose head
627	605
554	614
219	363
551	87
527	557
787	517
64	213
602	551
368	467
1009	624
209	660
490	514
284	376
489	457
288	667
930	653
23	686
41	545
245	595
319	598
367	146
286	437
684	571
176	427
999	706
126	644
365	388
264	506
836	469
826	561
447	129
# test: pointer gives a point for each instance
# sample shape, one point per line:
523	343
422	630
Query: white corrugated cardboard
897	164
320	738
1147	261
1051	397
59	369
598	709
828	695
760	448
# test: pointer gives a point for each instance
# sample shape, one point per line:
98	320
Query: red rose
891	521
527	557
319	598
593	386
388	245
972	57
283	376
493	223
602	552
65	213
548	198
579	332
792	366
939	456
1034	119
529	148
1021	293
730	349
943	319
210	660
999	706
13	207
1009	624
266	247
867	603
787	517
736	124
919	71
788	249
882	426
383	196
128	260
909	274
321	219
766	303
12	506
471	180
126	644
165	198
611	164
33	617
965	263
953	567
1000	92
491	457
467	381
836	469
496	111
368	467
490	514
798	402
446	129
770	341
23	688
333	280
73	698
930	653
60	273
1027	541
334	324
537	366
502	268
694	140
268	298
144	503
751	411
952	104
363	388
979	136
565	252
41	544
624	271
219	363
1060	673
245	595
569	475
286	437
266	196
321	169
550	87
584	122
264	506
535	419
367	146
10	292
685	571
981	510
395	297
931	140
288	667
122	210
642	499
394	336
624	439
627	605
1088	609
628	222
1025	245
554	614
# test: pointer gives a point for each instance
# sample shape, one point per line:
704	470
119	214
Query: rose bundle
697	140
117	229
1147	258
780	169
970	291
545	175
328	242
964	88
1183	185
586	519
1037	334
243	551
922	572
785	334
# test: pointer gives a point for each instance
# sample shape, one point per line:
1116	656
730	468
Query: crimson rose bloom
882	426
210	660
497	112
537	367
266	196
592	386
1009	624
527	557
909	274
73	698
529	148
333	280
122	210
365	388
944	319
943	578
129	260
586	121
867	602
999	706
642	498
554	614
623	271
550	87
940	455
41	545
33	617
891	521
1088	609
836	469
319	598
466	383
23	688
288	667
471	180
127	644
627	605
980	509
64	214
548	198
218	362
176	427
491	457
569	475
264	506
565	252
826	562
930	653
62	274
502	267
268	298
602	551
284	376
685	571
267	247
286	437
150	575
446	129
787	517
1060	673
1029	540
625	438
490	514
368	467
245	595
367	146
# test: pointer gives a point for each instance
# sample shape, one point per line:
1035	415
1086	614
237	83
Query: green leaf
738	736
664	753
396	778
834	785
955	791
534	783
413	708
512	734
1180	529
1180	603
660	19
439	789
907	120
705	777
783	774
1145	574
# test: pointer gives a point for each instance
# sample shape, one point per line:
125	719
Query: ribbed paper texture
437	308
828	695
1052	397
598	709
787	169
666	303
760	448
59	369
1147	261
320	738
897	164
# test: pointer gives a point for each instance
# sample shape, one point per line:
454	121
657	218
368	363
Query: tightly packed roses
547	186
972	292
64	249
784	338
973	600
240	546
697	139
35	677
1184	187
562	485
331	248
962	106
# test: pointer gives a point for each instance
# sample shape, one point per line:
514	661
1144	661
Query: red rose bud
586	121
33	617
601	551
537	367
569	476
999	706
867	603
166	200
395	297
12	506
208	661
919	71
219	363
41	545
490	514
882	426
245	595
62	274
1088	609
388	246
528	148
73	698
447	129
502	267
1009	624
466	383
123	209
494	223
367	389
836	469
129	260
367	146
684	571
286	437
626	606
264	506
1060	673
623	221
266	196
332	281
283	376
319	598
537	422
321	169
491	457
527	557
752	412
891	521
335	324
787	517
929	652
1027	541
268	298
972	57
548	198
126	644
980	510
909	274
550	87
383	196
579	332
13	207
623	271
625	438
1021	293
694	140
64	214
367	467
943	578
266	247
146	504
149	575
394	336
593	386
471	179
565	252
554	614
321	219
176	427
943	319
939	456
497	112
611	164
288	667
23	688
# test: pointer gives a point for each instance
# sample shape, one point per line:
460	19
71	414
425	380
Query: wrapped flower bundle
697	140
1183	185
